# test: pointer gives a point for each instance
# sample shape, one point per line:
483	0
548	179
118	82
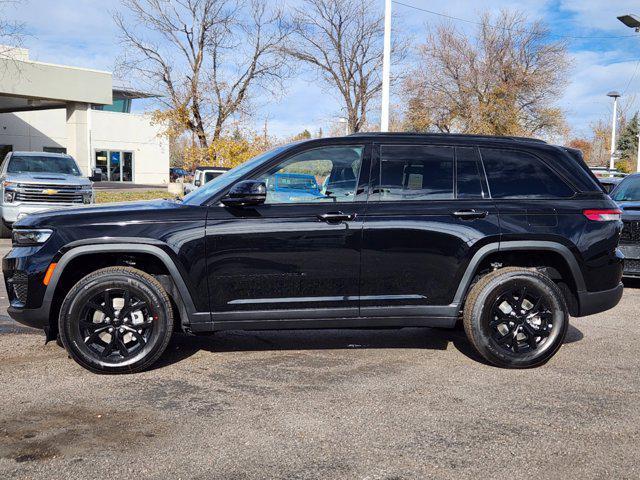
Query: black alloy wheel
116	320
516	317
521	320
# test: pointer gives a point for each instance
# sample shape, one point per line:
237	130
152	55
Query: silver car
36	181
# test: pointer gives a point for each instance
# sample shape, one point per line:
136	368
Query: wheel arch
532	247
171	278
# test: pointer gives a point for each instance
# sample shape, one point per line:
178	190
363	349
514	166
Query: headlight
9	196
87	197
26	238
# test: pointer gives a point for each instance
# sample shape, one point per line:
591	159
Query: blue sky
81	33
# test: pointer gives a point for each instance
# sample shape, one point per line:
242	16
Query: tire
116	320
516	318
5	232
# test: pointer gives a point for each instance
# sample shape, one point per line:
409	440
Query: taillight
603	215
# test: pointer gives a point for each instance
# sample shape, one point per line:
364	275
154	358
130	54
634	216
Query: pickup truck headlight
28	238
9	196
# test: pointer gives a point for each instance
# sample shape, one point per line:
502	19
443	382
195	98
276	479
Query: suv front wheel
116	320
516	317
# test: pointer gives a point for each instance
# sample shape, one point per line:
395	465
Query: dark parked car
175	173
627	196
510	235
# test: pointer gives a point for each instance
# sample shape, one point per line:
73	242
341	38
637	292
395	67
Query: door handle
334	217
469	214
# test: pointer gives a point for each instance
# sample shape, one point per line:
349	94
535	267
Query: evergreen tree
628	141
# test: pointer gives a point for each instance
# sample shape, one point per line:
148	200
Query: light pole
346	124
615	95
386	68
633	21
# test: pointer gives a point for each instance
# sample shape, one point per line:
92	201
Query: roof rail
444	135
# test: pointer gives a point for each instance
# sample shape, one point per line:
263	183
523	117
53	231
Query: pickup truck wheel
5	232
116	320
516	317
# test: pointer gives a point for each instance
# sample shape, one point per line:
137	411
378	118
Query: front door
298	255
428	212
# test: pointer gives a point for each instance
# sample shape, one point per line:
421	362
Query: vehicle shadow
631	282
184	346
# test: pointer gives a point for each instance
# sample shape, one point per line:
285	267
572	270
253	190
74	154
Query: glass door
116	166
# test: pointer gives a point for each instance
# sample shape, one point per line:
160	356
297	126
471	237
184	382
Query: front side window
42	164
515	174
327	174
414	172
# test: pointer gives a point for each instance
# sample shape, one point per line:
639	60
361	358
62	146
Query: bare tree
505	81
206	56
343	40
11	32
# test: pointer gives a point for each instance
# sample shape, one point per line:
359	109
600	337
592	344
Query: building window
54	149
119	105
115	165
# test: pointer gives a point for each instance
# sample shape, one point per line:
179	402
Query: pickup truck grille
45	194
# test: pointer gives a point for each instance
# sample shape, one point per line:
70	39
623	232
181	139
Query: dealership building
56	108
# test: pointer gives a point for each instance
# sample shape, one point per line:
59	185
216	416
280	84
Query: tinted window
514	174
42	164
328	174
628	190
468	176
415	172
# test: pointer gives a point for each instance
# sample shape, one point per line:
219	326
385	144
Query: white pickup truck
202	175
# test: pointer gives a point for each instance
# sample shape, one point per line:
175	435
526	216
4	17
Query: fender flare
535	245
156	251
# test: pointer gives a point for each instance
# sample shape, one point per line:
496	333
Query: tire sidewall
481	315
98	282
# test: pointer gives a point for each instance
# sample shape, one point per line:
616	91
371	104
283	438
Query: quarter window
414	172
514	174
328	174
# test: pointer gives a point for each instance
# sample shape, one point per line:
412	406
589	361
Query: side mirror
96	175
196	183
245	194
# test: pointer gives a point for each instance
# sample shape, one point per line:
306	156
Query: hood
108	213
48	178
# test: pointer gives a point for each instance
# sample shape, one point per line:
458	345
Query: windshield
199	196
628	190
42	164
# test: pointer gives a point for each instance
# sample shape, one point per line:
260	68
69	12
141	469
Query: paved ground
377	404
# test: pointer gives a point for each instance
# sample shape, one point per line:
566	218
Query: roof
446	135
211	167
124	92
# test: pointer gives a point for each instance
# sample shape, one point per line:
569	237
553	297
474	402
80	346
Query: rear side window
468	174
415	172
515	174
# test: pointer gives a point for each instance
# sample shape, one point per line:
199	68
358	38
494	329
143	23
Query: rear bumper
596	302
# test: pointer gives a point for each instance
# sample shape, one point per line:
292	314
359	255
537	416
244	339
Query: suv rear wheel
516	317
116	320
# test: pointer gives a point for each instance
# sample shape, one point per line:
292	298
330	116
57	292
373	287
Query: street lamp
631	21
615	95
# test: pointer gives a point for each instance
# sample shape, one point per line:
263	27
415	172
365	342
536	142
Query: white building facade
96	127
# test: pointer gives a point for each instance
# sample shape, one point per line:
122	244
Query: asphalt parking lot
362	404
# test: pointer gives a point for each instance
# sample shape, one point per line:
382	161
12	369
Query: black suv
510	235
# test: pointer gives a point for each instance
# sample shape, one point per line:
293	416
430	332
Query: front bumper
596	302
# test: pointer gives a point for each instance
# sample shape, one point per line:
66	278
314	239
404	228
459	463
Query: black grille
19	283
44	194
631	231
631	265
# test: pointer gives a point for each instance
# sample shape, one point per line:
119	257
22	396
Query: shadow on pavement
183	346
631	282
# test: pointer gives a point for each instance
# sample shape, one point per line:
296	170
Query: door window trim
362	185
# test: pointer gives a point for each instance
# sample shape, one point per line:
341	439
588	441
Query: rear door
428	212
